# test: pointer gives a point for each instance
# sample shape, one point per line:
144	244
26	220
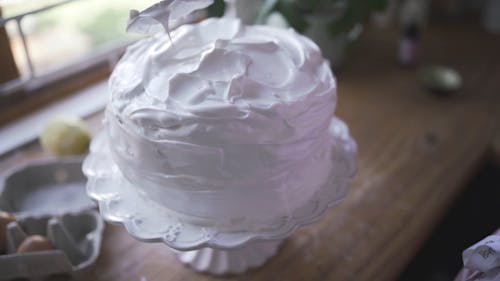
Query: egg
35	243
5	219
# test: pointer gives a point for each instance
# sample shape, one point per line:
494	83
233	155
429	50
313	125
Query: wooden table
416	154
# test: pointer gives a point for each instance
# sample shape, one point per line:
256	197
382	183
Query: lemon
65	135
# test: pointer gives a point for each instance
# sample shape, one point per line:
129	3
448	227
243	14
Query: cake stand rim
244	237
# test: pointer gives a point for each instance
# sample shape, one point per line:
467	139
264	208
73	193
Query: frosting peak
222	70
161	14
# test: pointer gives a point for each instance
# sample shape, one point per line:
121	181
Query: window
52	48
49	35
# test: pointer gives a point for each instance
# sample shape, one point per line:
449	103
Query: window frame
22	95
9	69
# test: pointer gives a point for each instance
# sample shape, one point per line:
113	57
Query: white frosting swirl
224	111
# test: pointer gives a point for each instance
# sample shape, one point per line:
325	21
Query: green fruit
65	136
441	79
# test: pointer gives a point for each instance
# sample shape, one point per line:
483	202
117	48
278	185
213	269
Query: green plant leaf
267	8
294	11
308	6
356	11
217	9
292	15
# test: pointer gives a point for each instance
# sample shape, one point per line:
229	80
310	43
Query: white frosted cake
224	124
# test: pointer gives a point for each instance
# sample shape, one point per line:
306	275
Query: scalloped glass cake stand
207	248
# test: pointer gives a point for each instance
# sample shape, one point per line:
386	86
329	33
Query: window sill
82	103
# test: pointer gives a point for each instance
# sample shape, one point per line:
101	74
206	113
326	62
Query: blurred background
57	33
437	57
66	32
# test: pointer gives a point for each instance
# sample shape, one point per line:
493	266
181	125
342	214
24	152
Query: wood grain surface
416	152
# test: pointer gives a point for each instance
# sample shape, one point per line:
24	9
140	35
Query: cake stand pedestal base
230	261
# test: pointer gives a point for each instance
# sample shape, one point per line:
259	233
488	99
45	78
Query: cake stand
207	248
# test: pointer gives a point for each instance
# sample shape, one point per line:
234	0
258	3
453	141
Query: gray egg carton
48	198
